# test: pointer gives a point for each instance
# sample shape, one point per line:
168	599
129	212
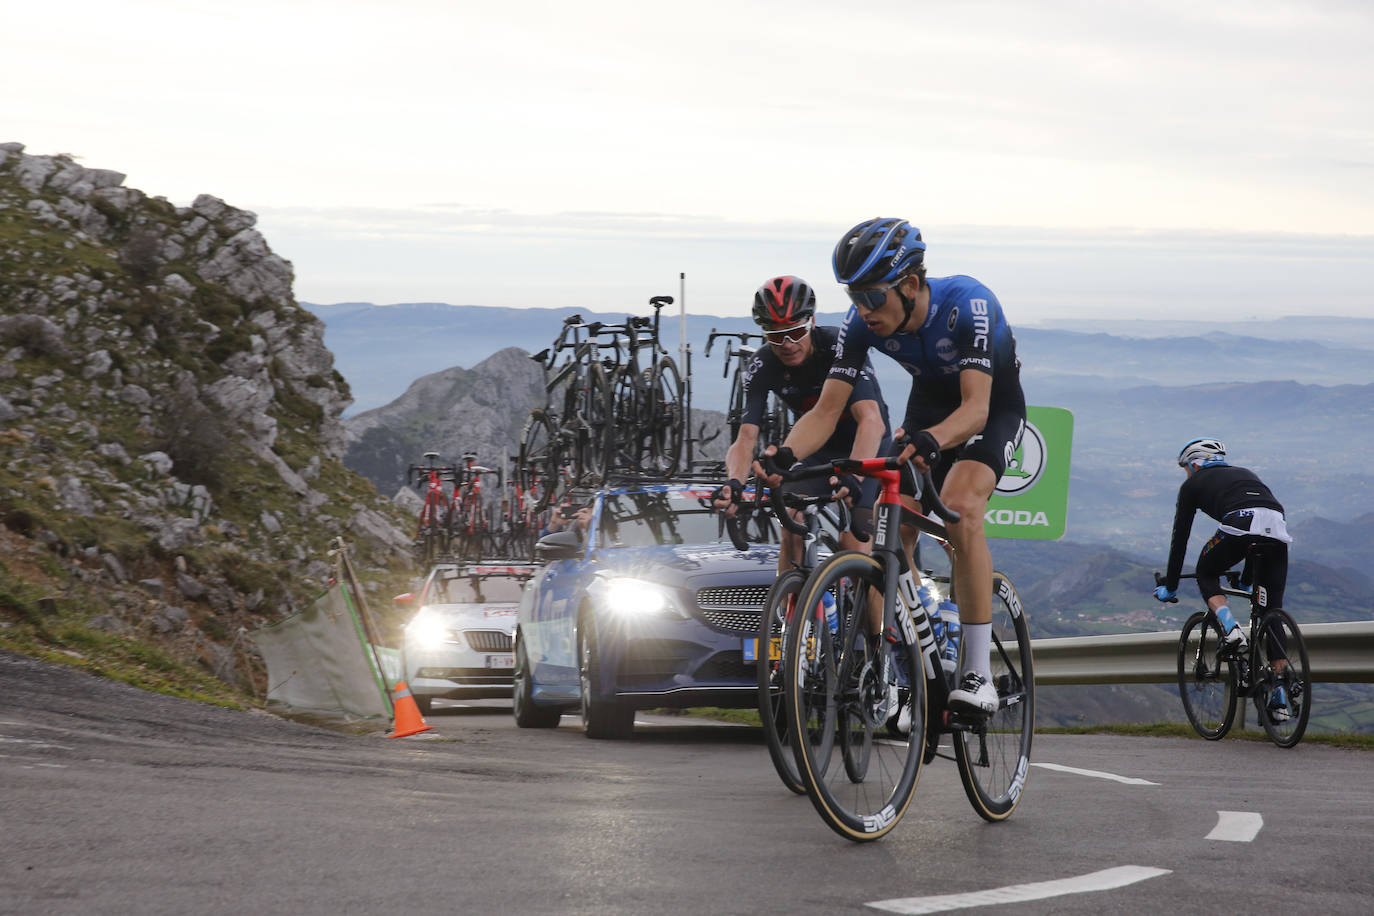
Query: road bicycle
823	519
862	780
1213	678
468	526
431	531
568	447
646	396
517	525
776	421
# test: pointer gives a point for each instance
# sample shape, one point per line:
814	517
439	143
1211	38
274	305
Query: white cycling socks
977	643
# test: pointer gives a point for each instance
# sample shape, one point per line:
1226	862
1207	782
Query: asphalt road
113	800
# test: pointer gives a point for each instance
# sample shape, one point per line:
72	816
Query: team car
458	643
650	607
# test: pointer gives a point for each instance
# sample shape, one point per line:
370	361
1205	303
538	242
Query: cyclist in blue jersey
795	366
965	414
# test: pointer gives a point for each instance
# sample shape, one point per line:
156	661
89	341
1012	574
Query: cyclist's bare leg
789	546
967	490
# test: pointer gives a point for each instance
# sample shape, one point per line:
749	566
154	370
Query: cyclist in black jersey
965	414
794	366
1247	515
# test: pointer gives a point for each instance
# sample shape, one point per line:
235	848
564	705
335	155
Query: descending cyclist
794	367
965	414
1247	515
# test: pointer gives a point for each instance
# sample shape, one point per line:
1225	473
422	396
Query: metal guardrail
1337	652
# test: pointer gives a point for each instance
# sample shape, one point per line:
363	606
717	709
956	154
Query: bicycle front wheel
831	682
539	459
994	757
1283	685
778	609
1206	678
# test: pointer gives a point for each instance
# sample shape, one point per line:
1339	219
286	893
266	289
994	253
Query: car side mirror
560	545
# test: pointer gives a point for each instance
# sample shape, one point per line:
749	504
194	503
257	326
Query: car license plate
500	661
751	649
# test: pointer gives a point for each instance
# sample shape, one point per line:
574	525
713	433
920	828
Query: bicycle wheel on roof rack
667	414
594	441
540	459
624	441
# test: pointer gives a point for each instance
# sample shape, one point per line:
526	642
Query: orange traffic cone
407	714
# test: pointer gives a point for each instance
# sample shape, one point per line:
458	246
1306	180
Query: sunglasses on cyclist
871	299
788	335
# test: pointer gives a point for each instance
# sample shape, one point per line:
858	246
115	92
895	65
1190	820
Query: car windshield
476	589
645	519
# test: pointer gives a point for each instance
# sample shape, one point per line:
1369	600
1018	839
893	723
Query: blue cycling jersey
964	329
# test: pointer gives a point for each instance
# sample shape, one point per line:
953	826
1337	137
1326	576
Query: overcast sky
1084	159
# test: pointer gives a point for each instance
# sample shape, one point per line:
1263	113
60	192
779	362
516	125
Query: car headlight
428	631
629	597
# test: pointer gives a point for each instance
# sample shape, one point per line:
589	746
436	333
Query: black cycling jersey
799	387
1218	491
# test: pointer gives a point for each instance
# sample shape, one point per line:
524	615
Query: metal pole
682	311
684	366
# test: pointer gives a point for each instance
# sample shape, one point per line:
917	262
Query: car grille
488	640
733	608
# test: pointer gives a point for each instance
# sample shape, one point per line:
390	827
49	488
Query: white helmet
1206	450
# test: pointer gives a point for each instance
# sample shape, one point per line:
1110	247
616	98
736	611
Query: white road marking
1236	826
32	743
1097	774
1104	880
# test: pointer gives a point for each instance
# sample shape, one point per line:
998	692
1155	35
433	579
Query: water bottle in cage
832	617
953	631
930	601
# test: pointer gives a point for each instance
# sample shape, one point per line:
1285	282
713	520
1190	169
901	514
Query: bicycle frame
904	611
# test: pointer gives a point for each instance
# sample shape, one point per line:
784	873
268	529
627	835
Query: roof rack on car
629	478
496	568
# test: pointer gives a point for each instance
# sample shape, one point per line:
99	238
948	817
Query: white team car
458	644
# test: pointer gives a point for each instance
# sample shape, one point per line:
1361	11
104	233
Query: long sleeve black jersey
1216	490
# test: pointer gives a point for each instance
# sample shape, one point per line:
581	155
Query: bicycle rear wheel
1206	677
829	681
778	608
666	417
539	459
1283	658
994	758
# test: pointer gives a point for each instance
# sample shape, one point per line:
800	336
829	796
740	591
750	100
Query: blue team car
653	607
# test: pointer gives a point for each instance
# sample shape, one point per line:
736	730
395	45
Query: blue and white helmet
878	251
1202	452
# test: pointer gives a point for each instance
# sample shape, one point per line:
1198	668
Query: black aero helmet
784	302
878	251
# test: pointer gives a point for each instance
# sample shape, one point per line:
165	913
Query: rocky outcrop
168	412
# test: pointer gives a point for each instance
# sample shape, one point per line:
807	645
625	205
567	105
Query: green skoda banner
1032	498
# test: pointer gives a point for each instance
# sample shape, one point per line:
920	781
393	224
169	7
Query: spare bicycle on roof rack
740	347
623	406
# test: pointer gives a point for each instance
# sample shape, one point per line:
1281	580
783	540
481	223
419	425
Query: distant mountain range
381	349
1296	410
